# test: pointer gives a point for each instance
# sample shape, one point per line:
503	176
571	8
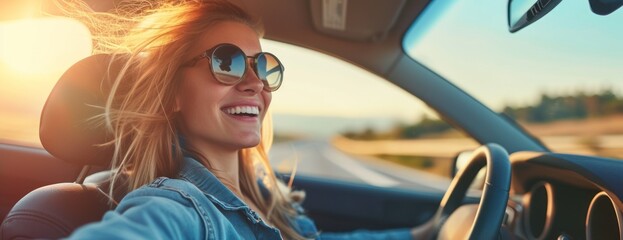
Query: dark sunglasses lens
228	64
269	70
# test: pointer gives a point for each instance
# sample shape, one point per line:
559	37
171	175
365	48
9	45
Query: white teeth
254	110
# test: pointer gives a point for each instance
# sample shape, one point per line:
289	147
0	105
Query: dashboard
564	196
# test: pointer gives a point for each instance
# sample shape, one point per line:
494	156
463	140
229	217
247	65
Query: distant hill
608	125
578	114
578	106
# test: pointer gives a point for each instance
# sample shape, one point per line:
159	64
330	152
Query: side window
335	120
34	53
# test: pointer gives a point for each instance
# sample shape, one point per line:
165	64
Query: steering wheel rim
492	206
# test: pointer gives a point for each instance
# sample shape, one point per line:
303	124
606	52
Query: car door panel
342	206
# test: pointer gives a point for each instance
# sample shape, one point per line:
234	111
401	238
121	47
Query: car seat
68	132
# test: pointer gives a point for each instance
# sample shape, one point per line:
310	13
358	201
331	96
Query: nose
250	82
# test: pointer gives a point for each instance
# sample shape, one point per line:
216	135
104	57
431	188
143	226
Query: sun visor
360	20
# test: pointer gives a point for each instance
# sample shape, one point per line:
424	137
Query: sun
39	46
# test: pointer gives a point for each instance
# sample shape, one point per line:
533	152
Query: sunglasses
229	66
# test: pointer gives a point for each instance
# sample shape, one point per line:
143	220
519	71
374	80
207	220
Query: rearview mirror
605	7
522	13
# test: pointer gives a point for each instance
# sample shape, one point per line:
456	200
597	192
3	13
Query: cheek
186	94
190	98
196	91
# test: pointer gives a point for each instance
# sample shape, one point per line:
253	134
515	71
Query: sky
570	49
318	84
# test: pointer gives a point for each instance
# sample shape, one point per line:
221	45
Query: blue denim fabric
198	206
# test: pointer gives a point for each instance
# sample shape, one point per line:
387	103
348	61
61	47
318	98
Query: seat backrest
67	132
54	211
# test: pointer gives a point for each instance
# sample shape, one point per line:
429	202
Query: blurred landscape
553	115
580	124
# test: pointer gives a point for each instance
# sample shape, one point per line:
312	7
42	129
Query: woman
187	112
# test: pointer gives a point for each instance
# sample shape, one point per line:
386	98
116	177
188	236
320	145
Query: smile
248	111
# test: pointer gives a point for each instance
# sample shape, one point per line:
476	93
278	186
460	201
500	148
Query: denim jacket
196	205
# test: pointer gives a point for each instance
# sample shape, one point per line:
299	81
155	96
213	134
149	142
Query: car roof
295	22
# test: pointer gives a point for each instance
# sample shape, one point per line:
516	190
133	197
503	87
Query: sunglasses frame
207	54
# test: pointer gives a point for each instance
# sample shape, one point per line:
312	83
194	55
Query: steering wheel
452	220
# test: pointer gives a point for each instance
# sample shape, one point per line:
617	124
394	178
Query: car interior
529	192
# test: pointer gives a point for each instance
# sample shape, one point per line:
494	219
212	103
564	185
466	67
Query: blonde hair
152	38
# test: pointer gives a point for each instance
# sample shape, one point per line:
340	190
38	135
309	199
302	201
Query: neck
224	165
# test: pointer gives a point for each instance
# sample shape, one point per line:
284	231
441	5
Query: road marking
345	162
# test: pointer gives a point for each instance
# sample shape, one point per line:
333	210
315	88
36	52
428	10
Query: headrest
67	129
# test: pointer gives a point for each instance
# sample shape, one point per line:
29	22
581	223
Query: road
319	158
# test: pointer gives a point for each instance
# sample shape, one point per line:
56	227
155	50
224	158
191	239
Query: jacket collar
197	174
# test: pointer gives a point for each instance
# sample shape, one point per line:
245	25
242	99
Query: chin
249	145
251	141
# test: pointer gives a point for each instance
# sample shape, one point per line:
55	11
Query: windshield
560	78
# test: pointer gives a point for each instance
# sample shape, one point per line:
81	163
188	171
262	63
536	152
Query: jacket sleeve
144	217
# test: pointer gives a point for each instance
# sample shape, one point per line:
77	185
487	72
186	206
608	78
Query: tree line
549	108
578	106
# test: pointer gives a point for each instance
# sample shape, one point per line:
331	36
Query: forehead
231	32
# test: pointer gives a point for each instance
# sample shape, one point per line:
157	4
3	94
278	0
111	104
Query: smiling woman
33	55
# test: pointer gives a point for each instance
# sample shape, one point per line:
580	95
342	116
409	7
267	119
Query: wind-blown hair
152	38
